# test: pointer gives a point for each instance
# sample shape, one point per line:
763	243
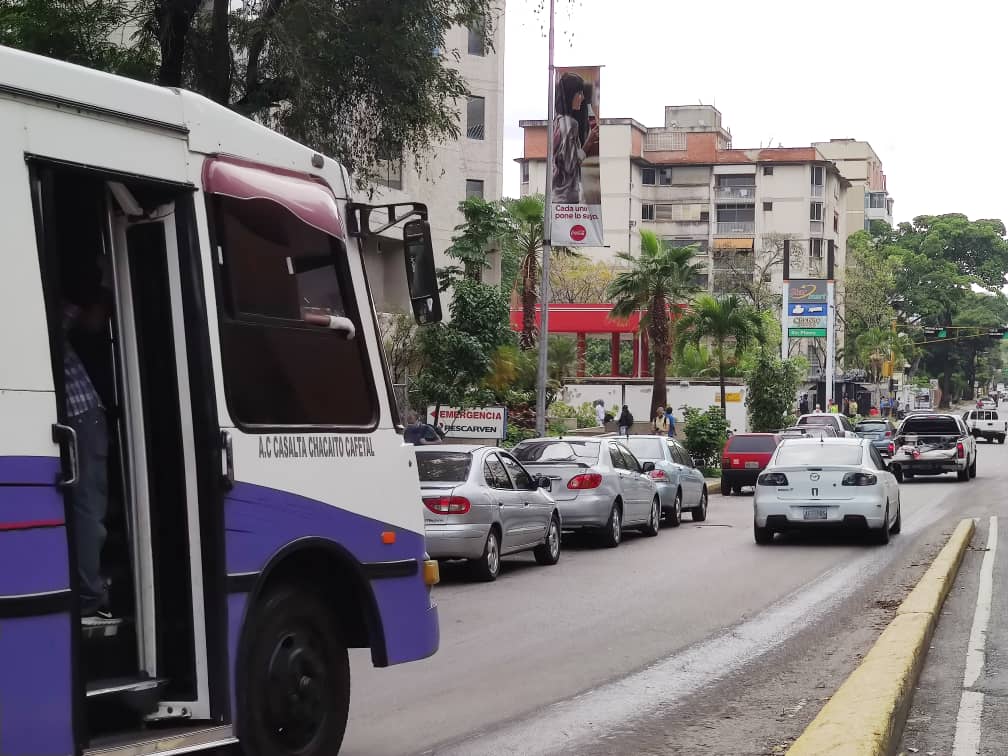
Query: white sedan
826	482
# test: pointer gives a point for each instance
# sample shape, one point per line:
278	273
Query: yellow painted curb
865	717
714	487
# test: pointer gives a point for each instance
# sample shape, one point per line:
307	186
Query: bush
773	386
585	414
706	433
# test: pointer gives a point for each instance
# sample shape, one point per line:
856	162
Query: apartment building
868	198
472	165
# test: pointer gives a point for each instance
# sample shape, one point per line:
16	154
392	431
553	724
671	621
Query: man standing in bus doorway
83	308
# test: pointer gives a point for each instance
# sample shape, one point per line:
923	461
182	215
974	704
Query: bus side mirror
421	277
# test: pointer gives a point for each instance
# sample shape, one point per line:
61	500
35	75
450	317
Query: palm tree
720	321
654	281
525	241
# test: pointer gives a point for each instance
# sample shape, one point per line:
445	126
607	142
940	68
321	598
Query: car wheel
898	525
699	514
726	490
294	694
963	475
653	526
548	552
674	518
614	527
882	534
487	567
763	536
972	468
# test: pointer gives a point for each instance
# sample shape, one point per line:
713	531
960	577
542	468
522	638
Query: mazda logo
814	476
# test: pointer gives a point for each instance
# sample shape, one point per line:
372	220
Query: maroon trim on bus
31	525
307	196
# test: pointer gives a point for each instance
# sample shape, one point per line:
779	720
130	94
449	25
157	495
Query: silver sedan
598	484
480	504
681	486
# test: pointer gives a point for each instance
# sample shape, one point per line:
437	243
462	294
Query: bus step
139	693
105	628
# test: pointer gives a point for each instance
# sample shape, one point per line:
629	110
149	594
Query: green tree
729	324
772	388
693	361
363	80
706	433
562	356
659	278
484	224
525	243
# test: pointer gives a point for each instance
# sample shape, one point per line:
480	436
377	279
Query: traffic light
941	333
1000	334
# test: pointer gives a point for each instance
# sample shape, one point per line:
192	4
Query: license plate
814	513
751	465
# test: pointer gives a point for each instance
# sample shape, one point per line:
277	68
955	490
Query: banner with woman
576	193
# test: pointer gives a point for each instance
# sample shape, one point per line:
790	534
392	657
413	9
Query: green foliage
485	223
693	361
562	357
773	386
706	432
575	279
523	244
399	339
585	414
363	81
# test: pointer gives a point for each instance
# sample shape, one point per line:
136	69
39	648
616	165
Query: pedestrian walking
660	422
671	422
600	411
625	421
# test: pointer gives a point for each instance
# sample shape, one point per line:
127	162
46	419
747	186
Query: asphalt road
694	642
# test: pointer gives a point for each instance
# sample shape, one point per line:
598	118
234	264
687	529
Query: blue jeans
90	503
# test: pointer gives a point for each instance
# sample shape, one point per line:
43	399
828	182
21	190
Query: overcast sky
923	81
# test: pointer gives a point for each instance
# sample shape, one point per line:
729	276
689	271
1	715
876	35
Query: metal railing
747	193
735	227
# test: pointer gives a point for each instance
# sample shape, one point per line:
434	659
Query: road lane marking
968	721
598	713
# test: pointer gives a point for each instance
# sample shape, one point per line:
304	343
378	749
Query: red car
744	457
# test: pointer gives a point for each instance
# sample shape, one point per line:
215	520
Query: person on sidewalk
600	411
625	421
660	423
671	423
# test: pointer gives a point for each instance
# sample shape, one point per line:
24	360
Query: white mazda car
826	482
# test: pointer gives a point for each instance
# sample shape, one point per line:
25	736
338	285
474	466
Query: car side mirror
647	467
544	482
421	277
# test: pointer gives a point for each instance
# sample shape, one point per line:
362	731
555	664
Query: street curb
713	486
865	717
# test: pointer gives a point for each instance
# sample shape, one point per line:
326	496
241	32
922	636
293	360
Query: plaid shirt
80	392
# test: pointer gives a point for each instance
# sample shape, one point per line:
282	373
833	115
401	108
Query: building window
647	176
524	171
836	222
736	214
818	175
704	215
665	176
768	170
816	249
476	44
647	211
474	188
815	211
476	118
767	206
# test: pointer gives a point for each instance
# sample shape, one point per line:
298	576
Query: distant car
480	504
987	404
743	458
932	444
807	431
880	431
987	423
681	486
827	482
597	484
840	423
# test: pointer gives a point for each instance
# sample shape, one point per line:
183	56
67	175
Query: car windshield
557	451
646	448
817	420
743	443
818	454
870	427
443	467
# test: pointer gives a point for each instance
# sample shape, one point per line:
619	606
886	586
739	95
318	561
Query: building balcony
735	228
735	193
816	227
818	190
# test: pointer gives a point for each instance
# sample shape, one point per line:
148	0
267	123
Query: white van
987	423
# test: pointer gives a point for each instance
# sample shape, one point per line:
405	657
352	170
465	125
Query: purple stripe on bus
29	471
33	561
236	619
35	692
25	503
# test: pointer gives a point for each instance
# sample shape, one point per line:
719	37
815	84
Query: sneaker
99	617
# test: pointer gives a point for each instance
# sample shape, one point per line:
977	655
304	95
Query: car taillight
887	434
859	479
892	448
584	480
658	475
960	450
772	479
447	504
725	463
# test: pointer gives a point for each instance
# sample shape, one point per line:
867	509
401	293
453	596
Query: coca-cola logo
578	233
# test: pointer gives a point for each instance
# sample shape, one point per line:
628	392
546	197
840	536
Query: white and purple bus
262	511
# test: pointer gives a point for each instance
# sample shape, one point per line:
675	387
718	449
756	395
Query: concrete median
865	717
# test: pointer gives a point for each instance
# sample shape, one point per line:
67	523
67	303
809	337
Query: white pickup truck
933	444
987	423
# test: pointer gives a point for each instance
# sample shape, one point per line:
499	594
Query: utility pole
547	247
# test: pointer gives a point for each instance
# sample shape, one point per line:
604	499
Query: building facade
868	197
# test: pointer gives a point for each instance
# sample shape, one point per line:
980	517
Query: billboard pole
784	347
547	247
830	326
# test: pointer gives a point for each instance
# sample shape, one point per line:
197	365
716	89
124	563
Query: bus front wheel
294	689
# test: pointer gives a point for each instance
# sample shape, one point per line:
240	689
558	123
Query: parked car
879	430
933	444
840	423
827	482
480	504
987	423
743	458
597	483
681	486
807	431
